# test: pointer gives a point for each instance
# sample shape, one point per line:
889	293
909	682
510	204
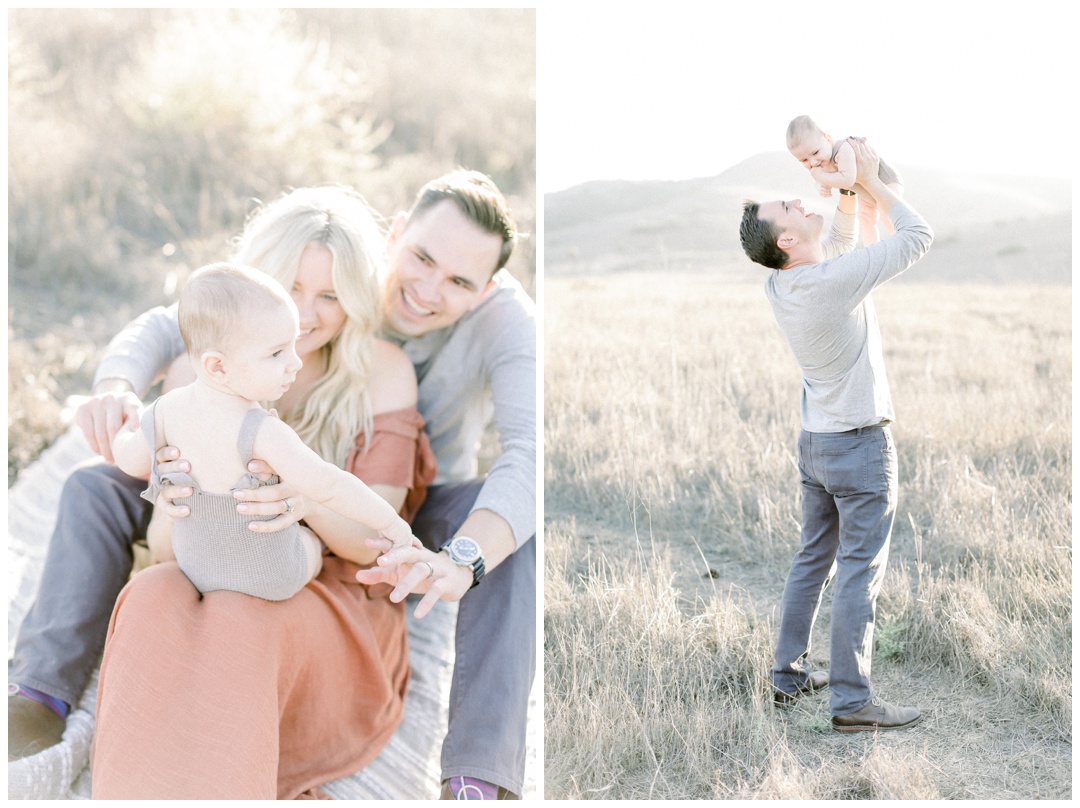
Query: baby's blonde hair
216	301
335	218
799	128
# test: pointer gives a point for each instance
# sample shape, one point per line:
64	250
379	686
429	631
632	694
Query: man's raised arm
869	267
841	237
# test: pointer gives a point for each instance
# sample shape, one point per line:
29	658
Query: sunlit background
679	91
140	138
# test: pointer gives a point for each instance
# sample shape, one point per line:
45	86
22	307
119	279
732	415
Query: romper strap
147	425
245	441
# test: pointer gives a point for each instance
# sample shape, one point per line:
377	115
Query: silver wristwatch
465	552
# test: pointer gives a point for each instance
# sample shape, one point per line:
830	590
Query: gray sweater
483	367
825	312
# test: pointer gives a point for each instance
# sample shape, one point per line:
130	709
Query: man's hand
416	569
866	161
102	415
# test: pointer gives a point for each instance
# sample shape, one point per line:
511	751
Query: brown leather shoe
32	727
877	715
816	680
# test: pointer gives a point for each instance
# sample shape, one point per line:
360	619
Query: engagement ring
288	505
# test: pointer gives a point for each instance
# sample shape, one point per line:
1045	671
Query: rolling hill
989	228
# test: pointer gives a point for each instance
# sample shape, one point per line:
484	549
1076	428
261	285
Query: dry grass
671	411
140	138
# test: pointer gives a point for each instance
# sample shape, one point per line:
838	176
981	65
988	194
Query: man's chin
407	326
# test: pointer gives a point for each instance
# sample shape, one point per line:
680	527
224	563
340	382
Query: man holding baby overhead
820	295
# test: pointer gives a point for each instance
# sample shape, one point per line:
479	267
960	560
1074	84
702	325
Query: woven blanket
408	768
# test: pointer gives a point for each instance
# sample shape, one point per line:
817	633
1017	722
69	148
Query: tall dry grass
671	412
140	139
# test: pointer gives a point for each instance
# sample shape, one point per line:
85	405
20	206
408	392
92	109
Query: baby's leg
314	548
868	216
159	538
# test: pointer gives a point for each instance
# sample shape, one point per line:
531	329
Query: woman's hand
169	462
282	501
416	569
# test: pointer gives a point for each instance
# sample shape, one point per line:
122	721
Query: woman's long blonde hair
338	408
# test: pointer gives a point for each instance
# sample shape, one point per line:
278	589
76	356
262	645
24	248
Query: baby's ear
213	362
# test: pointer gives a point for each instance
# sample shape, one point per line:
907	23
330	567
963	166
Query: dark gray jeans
849	493
495	651
101	516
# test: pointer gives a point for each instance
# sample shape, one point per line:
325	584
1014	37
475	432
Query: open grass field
671	510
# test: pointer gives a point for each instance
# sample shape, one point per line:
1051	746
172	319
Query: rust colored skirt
226	696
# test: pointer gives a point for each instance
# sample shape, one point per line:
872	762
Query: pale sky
680	92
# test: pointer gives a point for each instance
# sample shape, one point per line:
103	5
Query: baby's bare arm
345	537
844	175
130	449
326	484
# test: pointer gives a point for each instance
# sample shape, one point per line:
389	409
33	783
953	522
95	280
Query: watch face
465	549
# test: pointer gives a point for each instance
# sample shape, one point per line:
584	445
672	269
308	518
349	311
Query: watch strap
477	567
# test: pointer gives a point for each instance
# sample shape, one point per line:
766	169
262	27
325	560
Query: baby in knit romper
240	328
832	165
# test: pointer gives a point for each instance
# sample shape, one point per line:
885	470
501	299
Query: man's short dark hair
759	236
477	196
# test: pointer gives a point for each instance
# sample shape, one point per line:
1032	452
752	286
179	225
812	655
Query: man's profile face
790	218
440	264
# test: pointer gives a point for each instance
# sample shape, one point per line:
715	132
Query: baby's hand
824	190
401	535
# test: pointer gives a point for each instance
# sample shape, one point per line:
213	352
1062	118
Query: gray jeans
89	560
495	651
849	493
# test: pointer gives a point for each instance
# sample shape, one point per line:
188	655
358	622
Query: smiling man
820	295
469	329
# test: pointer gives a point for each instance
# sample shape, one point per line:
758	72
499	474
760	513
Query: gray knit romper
886	173
213	545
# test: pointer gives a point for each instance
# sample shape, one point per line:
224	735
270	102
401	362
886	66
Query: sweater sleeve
510	486
841	238
143	350
854	276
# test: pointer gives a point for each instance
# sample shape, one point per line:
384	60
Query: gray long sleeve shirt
827	316
481	368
